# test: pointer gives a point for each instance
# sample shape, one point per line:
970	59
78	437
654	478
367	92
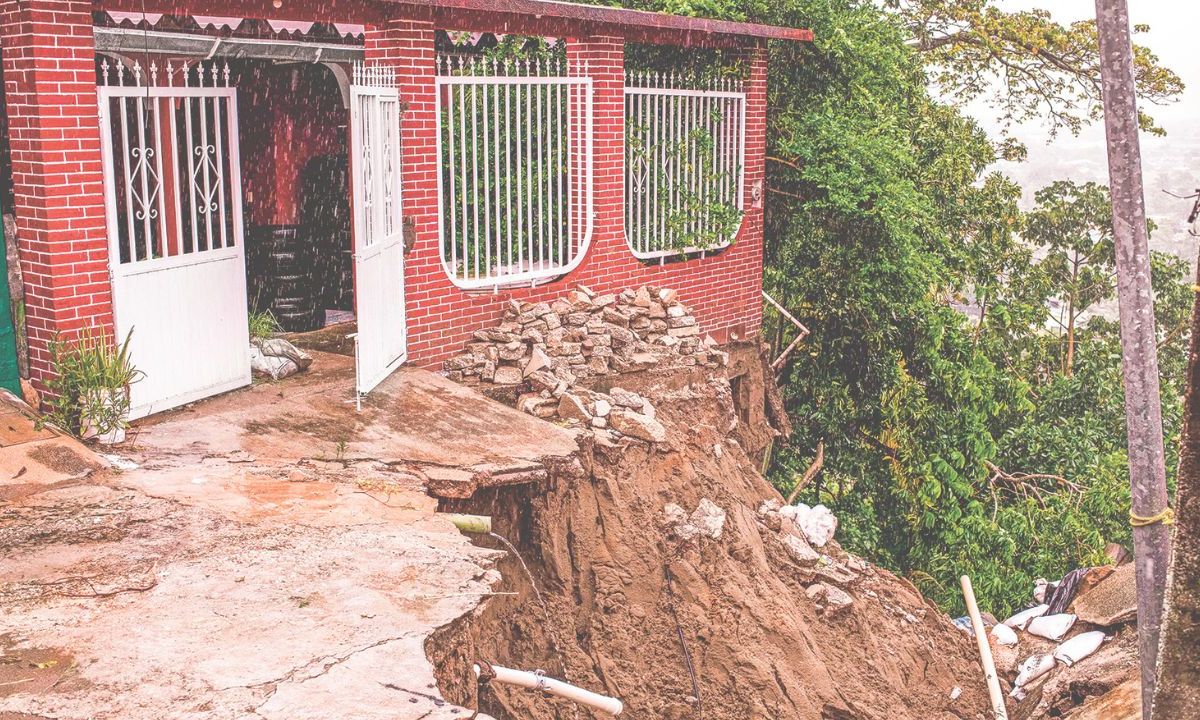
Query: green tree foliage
951	447
1073	225
955	442
1022	62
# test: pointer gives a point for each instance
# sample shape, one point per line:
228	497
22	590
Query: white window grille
684	164
174	186
515	178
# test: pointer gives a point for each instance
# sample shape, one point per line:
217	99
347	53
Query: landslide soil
598	548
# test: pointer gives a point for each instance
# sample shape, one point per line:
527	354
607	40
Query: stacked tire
293	300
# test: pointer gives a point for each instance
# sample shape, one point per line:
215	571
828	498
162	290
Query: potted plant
91	386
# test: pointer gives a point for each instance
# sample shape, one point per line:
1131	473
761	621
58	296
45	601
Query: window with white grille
684	164
515	169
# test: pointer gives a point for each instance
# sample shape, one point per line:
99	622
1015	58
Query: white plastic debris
817	523
1033	668
1079	647
955	693
120	463
1021	619
1004	634
1052	627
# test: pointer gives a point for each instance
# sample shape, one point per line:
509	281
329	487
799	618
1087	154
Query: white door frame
176	244
375	114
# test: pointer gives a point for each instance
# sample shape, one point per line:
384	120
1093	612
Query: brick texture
48	63
49	76
723	290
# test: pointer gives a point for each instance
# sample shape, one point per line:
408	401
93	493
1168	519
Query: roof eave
515	15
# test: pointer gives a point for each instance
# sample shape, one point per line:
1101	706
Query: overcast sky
1170	163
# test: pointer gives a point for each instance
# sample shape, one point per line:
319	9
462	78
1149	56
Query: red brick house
173	164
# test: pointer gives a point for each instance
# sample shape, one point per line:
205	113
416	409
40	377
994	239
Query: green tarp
9	378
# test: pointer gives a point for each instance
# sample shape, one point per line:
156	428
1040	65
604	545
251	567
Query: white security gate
515	149
174	209
685	173
378	230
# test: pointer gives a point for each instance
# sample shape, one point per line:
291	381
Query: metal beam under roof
132	40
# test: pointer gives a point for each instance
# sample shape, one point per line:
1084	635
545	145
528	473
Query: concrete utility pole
1143	411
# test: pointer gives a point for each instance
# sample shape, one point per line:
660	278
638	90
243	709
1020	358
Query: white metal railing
173	185
515	169
684	164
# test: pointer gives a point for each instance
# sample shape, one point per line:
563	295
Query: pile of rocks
547	348
829	577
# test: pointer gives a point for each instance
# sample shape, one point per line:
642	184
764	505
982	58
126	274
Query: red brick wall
723	290
50	83
48	61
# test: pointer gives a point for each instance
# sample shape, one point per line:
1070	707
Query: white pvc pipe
999	710
535	681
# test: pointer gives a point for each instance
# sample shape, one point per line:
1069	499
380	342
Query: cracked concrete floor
243	570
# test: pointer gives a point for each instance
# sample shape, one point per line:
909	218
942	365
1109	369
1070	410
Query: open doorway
295	141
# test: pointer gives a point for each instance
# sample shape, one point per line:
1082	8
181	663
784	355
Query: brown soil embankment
628	603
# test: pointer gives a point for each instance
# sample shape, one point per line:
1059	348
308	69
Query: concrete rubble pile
547	349
826	575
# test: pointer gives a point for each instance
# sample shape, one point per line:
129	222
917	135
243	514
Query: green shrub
263	325
92	375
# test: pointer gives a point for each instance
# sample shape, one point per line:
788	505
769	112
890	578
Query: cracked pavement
244	569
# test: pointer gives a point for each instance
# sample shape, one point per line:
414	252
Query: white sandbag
1042	588
1021	619
1052	627
1033	668
1079	647
272	366
818	523
278	347
1004	634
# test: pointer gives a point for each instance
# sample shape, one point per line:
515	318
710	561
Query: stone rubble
707	520
828	576
546	349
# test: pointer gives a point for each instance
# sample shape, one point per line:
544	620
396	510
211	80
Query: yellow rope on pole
1166	517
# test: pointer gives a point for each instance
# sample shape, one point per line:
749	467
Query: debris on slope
672	580
1055	662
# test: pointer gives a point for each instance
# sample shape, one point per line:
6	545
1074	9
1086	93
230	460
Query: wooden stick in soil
809	474
999	711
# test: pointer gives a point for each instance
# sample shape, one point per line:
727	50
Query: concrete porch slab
270	553
414	419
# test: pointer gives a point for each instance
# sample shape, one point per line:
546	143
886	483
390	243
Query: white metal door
174	209
378	230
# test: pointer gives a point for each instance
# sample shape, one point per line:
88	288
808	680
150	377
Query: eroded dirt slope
762	642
